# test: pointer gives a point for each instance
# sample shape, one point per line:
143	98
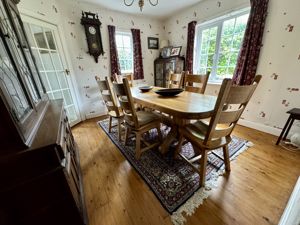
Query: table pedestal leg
172	135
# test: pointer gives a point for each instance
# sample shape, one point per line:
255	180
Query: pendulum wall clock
91	24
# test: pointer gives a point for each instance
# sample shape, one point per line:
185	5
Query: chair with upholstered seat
196	82
111	103
138	122
208	136
175	80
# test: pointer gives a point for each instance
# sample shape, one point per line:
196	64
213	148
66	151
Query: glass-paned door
50	59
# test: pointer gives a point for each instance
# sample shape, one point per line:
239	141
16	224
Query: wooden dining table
182	108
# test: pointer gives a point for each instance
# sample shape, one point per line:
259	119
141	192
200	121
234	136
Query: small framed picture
166	52
152	43
175	51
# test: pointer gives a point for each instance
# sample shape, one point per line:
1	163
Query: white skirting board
260	127
291	214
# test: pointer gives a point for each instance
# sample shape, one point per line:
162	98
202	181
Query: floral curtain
190	47
138	71
249	53
114	60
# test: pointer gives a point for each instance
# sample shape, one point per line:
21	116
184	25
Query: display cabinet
163	66
39	162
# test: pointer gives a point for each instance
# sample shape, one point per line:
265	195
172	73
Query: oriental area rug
173	181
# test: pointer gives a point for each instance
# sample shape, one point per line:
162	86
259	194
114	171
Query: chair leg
127	132
138	146
179	145
203	162
119	129
159	132
226	158
110	122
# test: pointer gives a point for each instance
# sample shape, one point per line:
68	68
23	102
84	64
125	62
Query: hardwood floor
256	191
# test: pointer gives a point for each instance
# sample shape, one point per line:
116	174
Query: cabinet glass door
170	66
19	26
16	51
11	87
159	74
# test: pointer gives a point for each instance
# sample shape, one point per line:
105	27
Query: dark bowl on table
145	88
169	91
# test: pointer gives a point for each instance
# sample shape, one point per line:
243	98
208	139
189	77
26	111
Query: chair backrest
175	80
119	78
108	96
231	102
196	82
125	99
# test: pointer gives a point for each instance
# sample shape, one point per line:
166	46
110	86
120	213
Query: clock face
92	30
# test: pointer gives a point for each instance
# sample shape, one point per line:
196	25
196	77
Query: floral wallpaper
279	61
67	15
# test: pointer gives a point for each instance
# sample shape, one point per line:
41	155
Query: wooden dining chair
111	103
119	78
175	80
138	122
216	133
196	82
129	77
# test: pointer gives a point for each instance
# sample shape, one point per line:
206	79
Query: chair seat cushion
145	117
196	132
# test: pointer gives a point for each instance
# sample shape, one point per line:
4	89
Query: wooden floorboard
256	191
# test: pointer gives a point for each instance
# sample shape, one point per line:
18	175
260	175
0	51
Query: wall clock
91	24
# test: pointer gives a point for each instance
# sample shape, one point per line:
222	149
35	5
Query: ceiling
163	10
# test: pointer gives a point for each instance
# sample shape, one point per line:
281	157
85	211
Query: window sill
216	83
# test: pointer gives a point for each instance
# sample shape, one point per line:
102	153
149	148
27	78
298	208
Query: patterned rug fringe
189	207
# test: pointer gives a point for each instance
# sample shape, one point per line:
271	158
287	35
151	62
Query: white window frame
197	44
129	34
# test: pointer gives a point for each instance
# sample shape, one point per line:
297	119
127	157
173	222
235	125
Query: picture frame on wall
175	51
153	43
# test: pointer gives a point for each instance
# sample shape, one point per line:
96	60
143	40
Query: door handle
67	72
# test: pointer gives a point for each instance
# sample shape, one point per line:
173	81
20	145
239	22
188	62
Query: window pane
125	52
54	85
45	55
37	59
67	97
39	36
44	80
58	95
56	60
228	27
62	80
126	41
50	39
119	40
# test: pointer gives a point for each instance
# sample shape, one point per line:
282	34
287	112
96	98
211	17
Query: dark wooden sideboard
43	184
40	176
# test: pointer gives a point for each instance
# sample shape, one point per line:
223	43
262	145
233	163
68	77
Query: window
217	45
125	51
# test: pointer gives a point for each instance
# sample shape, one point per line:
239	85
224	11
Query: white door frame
74	85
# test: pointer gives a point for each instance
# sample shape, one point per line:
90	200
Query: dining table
181	109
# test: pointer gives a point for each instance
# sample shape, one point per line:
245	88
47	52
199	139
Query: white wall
280	55
67	15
